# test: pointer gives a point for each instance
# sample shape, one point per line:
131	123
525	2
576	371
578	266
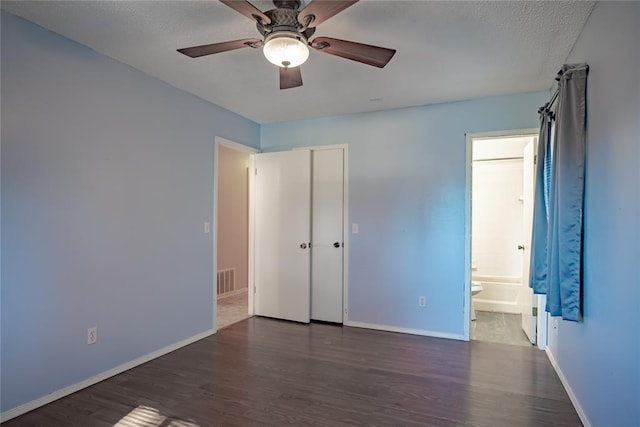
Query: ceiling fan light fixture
286	49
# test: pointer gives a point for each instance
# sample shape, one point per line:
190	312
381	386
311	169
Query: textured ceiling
446	51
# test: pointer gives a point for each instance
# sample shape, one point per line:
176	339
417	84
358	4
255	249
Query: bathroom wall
497	224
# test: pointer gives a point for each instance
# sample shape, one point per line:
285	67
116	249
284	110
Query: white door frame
345	222
467	213
219	141
529	183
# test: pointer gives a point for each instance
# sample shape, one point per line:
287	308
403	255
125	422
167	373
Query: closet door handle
303	246
336	245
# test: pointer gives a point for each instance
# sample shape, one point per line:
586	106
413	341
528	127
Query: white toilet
476	287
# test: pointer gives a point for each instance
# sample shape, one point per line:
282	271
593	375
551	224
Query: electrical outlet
422	301
92	335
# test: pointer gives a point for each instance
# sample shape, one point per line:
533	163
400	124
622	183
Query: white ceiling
446	50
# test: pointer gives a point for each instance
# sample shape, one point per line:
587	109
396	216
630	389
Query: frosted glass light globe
285	50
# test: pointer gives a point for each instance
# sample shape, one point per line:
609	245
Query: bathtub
498	294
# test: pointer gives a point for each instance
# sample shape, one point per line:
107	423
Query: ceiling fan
286	31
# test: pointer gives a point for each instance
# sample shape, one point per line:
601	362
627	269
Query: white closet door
282	235
327	234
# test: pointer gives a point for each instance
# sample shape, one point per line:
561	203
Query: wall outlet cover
92	335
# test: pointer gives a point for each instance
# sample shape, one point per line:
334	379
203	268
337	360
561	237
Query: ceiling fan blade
290	77
248	10
321	10
209	49
365	53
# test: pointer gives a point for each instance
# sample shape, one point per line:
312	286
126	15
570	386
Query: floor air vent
226	281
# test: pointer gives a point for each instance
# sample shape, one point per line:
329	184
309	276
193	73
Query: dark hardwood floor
269	372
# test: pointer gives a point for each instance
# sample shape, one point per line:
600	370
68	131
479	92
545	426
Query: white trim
345	233
514	133
321	147
410	331
542	323
568	389
219	141
251	270
29	406
233	293
469	137
236	146
466	305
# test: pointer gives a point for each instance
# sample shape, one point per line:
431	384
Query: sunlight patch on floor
145	416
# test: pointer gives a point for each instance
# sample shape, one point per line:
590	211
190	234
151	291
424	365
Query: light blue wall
107	178
407	193
600	357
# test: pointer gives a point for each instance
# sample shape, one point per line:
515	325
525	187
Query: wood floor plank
275	373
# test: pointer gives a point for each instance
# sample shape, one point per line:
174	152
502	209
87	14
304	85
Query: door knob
336	245
521	247
303	246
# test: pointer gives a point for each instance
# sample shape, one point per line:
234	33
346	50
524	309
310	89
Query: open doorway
502	307
232	190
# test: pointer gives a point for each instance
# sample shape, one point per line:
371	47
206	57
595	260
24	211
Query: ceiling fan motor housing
281	20
287	4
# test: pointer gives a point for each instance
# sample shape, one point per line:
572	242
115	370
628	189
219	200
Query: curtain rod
553	97
570	67
547	106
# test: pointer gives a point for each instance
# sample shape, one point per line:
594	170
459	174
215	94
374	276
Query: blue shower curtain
556	252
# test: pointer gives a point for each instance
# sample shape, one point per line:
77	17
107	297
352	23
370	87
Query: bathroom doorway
501	179
231	190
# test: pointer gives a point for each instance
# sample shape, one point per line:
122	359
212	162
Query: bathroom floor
502	328
231	309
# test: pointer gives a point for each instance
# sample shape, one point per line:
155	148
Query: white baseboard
568	389
233	293
29	406
421	332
